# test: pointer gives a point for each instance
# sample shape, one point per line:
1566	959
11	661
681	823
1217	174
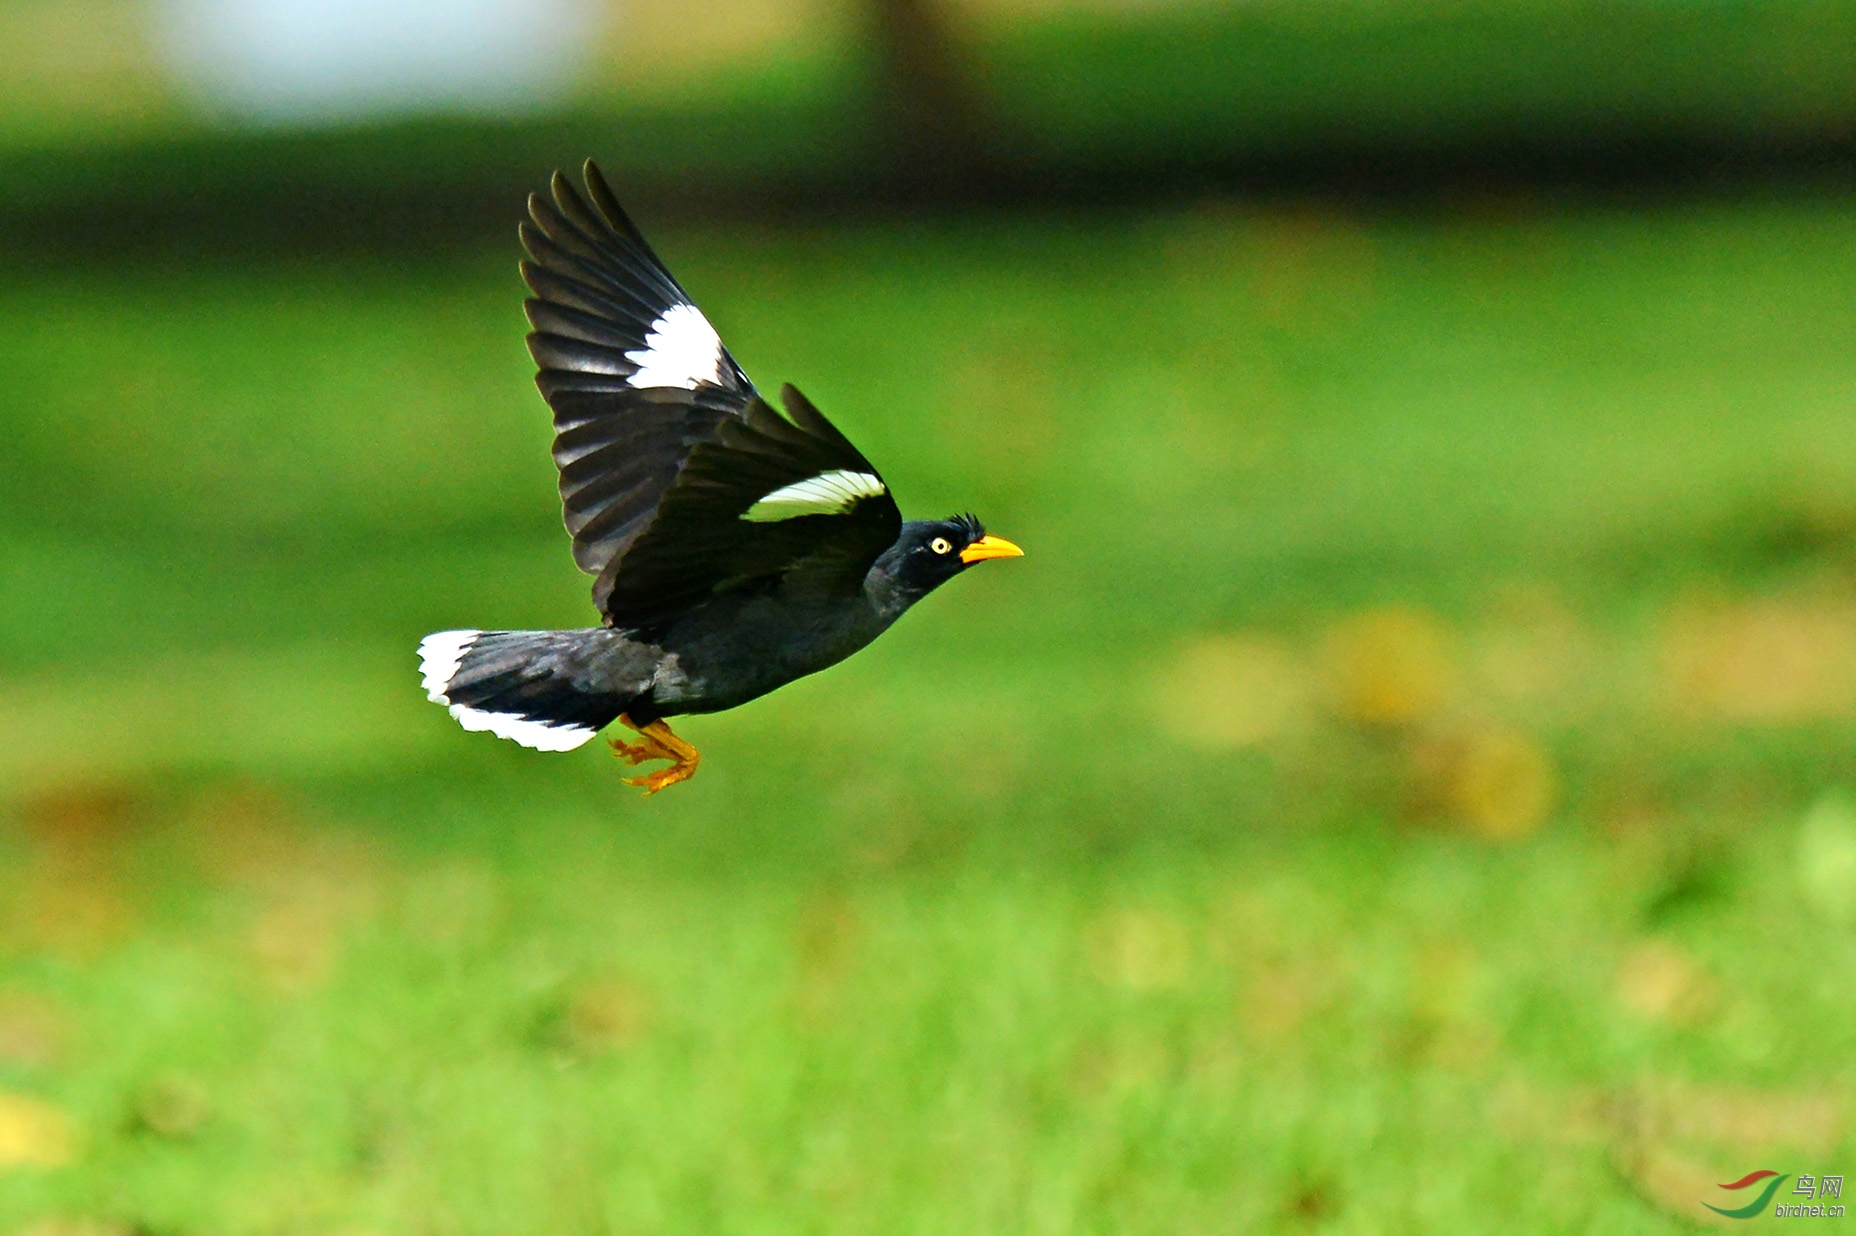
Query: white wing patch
537	734
829	493
681	349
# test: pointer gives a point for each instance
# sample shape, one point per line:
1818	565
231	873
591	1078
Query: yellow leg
658	743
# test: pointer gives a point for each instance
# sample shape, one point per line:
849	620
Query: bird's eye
940	545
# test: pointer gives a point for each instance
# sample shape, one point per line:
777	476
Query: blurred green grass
1378	801
1414	76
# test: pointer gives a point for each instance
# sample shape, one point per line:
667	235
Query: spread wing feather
661	441
599	293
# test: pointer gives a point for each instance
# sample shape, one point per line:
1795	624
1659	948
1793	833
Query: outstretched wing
635	374
678	481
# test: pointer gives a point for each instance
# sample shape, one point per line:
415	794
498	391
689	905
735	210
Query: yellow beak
990	547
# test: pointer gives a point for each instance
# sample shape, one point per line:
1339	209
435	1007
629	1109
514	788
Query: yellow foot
639	752
651	783
657	743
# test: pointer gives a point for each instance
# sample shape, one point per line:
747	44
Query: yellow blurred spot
80	814
1142	950
309	881
1497	782
1675	1142
606	1015
1827	858
826	938
676	47
889	825
1676	1183
1389	666
1774	660
81	65
33	1133
1222	692
1661	982
1278	999
1525	1110
1131	1063
74	905
73	901
172	1106
1739	1119
1535	651
295	942
32	1030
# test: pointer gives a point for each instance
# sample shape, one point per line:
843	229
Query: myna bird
734	549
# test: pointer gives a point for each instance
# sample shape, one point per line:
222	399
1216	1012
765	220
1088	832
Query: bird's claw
651	783
639	752
656	742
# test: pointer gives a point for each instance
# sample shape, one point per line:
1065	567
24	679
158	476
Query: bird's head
932	551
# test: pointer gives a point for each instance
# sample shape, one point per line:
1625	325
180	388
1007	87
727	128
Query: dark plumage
734	549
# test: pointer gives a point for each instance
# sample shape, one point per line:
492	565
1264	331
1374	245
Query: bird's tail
528	686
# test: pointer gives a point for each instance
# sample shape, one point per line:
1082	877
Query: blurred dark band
1076	108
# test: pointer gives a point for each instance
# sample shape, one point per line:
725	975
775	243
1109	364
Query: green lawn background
1398	790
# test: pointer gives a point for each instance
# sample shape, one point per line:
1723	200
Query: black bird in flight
734	549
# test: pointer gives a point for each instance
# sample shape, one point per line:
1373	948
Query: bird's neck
886	592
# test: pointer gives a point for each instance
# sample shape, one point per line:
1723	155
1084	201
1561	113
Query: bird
734	548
